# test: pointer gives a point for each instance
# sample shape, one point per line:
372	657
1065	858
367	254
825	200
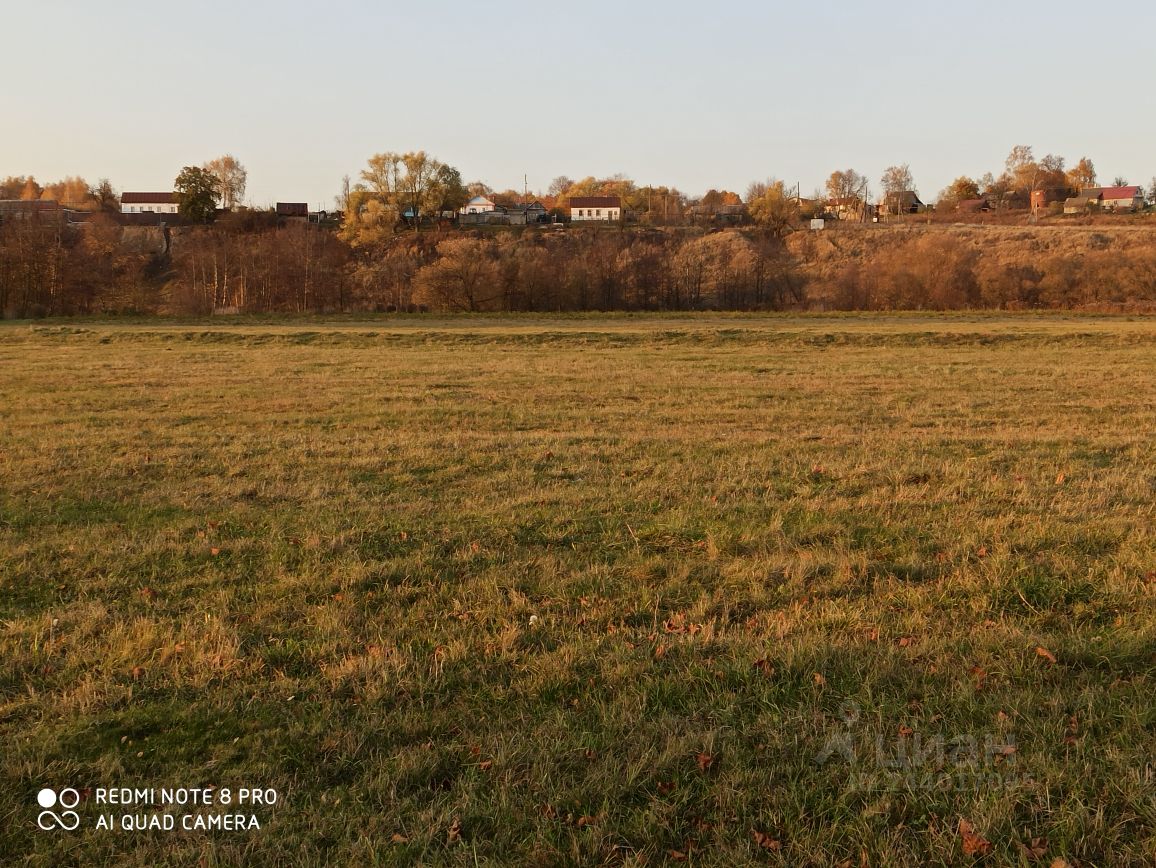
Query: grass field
627	590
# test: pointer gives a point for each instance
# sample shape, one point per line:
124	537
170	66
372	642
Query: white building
478	205
605	208
144	203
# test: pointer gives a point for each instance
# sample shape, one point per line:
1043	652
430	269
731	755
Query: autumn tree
231	178
13	187
897	179
770	205
960	190
72	191
413	183
1082	175
105	197
463	278
559	186
20	187
196	191
846	184
451	192
1026	174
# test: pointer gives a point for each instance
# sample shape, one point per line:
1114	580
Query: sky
694	95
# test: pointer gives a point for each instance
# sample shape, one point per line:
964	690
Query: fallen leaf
764	666
981	552
1041	651
905	730
766	842
676	855
214	551
906	641
587	820
1034	850
1060	478
148	593
1060	862
137	673
398	838
973	843
818	679
454	833
873	635
659	651
705	762
665	788
486	765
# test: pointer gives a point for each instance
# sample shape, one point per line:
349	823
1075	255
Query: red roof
595	202
1121	193
148	198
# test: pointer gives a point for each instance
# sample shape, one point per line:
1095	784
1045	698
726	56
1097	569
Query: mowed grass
626	591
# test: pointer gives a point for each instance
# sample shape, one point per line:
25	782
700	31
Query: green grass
585	590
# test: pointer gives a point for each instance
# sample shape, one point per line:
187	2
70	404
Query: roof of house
909	196
973	204
293	209
148	198
1083	200
595	202
480	200
29	205
1131	192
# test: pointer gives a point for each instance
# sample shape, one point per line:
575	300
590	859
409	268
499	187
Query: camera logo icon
67	819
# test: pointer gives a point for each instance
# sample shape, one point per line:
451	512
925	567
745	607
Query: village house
973	206
849	208
478	205
604	208
293	210
144	203
1128	198
1125	198
901	202
730	215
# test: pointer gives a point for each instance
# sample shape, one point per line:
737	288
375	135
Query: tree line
228	257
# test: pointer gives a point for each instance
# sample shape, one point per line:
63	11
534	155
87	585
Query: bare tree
231	178
897	179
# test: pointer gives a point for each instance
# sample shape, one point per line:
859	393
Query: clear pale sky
697	95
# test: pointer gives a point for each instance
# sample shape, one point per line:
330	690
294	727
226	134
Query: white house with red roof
144	203
1122	198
